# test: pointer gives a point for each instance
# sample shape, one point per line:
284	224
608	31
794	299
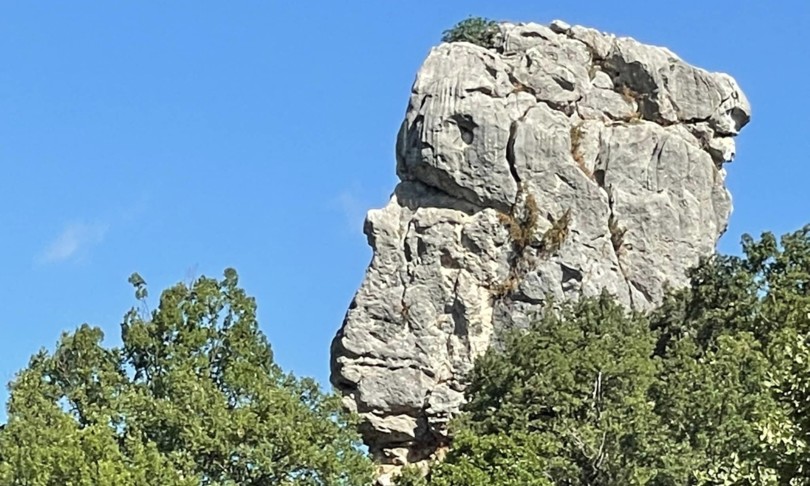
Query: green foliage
476	30
713	387
191	397
568	398
410	476
486	460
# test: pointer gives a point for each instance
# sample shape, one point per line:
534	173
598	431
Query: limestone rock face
561	162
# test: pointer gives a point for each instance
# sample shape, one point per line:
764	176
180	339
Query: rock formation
560	162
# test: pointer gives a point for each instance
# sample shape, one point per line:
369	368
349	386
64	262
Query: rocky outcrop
561	162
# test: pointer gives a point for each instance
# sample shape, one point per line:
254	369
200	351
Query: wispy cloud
352	208
354	202
79	237
74	241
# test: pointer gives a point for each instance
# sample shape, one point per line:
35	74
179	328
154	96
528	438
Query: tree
712	387
736	348
564	402
191	397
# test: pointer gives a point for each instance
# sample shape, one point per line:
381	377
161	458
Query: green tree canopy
191	397
712	387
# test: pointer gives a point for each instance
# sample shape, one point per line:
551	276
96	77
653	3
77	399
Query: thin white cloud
74	240
354	202
353	209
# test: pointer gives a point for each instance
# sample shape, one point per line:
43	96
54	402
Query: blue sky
179	138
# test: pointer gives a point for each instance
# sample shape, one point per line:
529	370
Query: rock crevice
561	162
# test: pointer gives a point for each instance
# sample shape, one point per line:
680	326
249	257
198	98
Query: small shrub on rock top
476	30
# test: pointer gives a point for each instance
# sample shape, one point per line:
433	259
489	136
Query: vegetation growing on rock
476	30
712	387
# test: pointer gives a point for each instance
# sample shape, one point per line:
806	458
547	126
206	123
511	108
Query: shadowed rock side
562	162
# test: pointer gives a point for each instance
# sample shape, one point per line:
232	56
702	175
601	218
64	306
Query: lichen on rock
623	141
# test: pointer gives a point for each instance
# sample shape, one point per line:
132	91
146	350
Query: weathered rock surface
561	162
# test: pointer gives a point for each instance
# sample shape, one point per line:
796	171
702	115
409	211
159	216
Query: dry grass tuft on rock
576	152
555	236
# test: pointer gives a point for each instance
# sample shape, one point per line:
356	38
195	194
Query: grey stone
521	37
602	80
606	105
670	91
560	26
620	147
598	43
722	149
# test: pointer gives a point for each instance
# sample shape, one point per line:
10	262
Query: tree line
711	387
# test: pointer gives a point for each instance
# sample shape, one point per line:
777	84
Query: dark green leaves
713	387
191	397
566	399
140	286
475	30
